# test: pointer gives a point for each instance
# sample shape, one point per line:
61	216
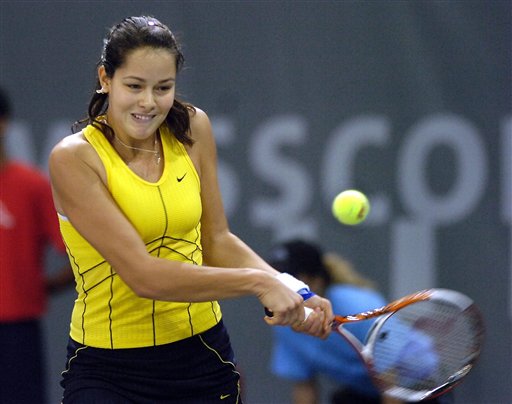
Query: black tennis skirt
199	369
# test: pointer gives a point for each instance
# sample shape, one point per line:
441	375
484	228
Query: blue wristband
305	293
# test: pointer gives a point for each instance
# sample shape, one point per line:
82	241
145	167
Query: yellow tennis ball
350	207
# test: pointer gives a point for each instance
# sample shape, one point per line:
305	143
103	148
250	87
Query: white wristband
296	285
292	282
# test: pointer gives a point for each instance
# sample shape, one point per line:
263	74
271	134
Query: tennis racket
420	346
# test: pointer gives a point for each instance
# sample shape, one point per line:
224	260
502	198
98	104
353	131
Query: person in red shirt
28	227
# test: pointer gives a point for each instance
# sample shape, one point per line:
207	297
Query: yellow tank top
167	213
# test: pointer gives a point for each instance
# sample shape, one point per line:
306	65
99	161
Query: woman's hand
285	305
318	323
287	308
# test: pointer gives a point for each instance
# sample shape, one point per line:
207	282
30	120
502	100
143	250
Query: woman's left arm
220	246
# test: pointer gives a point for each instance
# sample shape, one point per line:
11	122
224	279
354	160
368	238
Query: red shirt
28	225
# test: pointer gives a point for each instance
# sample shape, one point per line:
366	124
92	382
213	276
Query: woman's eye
133	86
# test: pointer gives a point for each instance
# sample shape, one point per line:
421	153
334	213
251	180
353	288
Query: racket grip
307	312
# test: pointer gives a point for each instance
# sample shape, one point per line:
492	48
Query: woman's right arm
80	193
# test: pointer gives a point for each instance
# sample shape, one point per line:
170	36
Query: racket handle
307	312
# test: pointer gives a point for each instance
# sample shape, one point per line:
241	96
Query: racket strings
425	345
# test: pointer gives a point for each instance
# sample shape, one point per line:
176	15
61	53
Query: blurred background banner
409	102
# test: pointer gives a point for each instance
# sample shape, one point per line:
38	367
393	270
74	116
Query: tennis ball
350	207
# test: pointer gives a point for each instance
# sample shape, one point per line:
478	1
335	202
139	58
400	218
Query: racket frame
382	314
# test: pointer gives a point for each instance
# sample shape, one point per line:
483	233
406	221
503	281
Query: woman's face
141	93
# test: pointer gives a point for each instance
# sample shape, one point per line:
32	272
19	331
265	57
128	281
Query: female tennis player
142	218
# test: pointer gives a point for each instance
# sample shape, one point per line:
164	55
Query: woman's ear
103	79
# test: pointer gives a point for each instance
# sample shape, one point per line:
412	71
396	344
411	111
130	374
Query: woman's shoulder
200	125
74	148
198	117
72	141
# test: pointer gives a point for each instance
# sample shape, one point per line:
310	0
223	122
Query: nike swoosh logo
223	396
179	179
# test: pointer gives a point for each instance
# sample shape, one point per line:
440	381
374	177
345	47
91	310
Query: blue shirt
300	357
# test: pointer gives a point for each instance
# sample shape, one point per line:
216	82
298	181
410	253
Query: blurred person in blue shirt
302	359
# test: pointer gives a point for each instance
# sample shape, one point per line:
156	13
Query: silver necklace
155	151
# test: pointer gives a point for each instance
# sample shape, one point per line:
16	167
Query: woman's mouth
143	118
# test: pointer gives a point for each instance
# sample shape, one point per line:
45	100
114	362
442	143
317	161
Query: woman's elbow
144	291
152	281
139	278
